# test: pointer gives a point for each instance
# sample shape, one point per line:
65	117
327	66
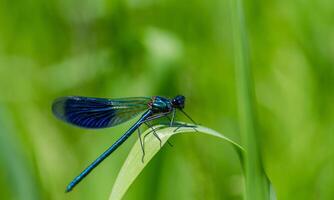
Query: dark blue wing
89	112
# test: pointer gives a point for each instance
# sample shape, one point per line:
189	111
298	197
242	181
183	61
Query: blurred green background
143	48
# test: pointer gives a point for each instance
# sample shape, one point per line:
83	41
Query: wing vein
89	112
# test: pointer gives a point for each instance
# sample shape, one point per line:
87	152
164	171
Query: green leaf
133	165
257	183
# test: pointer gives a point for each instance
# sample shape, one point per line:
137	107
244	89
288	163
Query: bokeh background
143	48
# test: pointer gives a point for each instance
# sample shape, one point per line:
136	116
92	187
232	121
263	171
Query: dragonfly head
178	102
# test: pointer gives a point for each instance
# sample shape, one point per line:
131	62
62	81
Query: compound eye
181	100
178	101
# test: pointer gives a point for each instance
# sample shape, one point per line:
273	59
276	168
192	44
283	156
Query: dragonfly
96	113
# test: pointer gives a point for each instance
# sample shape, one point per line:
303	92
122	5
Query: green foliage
134	164
144	48
257	183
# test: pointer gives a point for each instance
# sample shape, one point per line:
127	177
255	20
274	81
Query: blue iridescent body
96	113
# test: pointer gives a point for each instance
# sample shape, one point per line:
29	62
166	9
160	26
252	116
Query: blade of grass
133	164
257	184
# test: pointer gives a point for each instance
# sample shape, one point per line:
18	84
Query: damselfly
97	113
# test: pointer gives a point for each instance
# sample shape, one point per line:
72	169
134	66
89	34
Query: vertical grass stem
256	183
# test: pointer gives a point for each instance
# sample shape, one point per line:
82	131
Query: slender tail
105	154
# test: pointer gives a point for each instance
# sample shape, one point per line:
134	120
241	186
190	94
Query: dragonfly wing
89	112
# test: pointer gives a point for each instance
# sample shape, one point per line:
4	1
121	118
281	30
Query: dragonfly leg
142	145
155	117
169	143
177	128
154	133
146	136
172	120
188	116
186	126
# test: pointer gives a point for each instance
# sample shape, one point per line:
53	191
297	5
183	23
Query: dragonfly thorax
161	105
